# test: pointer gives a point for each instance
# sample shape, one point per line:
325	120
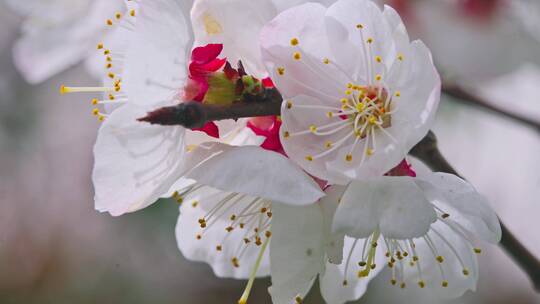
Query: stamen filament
249	286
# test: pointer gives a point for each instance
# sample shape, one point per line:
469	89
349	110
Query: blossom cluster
325	189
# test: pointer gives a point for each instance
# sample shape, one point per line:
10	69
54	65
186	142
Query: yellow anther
362	264
444	284
219	248
297	56
328	144
309	158
268	234
400	57
289	104
229	229
440	259
286	134
372	120
370	40
198	236
118	15
445	216
298	300
108	65
348	157
109	22
360	106
370	152
235	262
477	250
344	101
345	283
132	13
194	204
95	101
180	200
422	284
465	272
108	58
330	114
359	26
111	75
100	46
95	112
233	217
294	41
393	281
281	71
348	92
415	258
378	59
402	285
398	94
101	118
378	77
326	61
350	85
313	128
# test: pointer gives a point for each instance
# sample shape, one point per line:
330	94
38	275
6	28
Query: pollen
132	13
298	300
289	104
369	40
360	106
109	22
326	61
400	57
370	152
313	128
297	56
398	94
294	42
348	157
100	46
378	59
286	134
465	272
281	71
444	284
309	158
359	26
95	112
378	77
477	250
422	284
328	144
219	248
118	16
344	101
440	259
330	114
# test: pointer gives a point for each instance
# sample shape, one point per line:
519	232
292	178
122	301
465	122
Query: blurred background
55	248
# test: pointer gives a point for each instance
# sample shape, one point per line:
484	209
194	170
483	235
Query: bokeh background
55	248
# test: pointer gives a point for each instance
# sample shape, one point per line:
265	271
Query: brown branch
469	98
428	152
196	115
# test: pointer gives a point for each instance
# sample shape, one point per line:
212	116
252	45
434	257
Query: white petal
225	22
297	251
254	171
135	163
329	204
156	62
465	206
232	243
395	205
308	75
332	288
419	85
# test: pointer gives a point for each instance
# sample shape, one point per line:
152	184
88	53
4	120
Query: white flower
226	224
358	95
57	34
481	40
237	24
425	229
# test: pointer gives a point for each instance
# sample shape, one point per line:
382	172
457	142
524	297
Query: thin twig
428	152
469	98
